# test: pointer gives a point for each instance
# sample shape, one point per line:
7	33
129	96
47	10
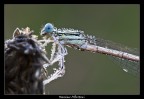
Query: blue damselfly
128	57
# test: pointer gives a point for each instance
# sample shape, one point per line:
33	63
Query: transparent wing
128	66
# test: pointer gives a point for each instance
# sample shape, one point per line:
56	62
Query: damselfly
129	58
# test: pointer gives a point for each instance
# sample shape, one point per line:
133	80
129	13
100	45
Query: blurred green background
86	73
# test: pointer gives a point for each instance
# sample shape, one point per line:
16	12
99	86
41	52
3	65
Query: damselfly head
48	28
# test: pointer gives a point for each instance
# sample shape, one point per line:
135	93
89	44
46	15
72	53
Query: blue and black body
68	36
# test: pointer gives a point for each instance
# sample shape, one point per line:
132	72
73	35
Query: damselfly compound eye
48	28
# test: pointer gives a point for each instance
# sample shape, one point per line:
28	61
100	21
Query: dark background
86	73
